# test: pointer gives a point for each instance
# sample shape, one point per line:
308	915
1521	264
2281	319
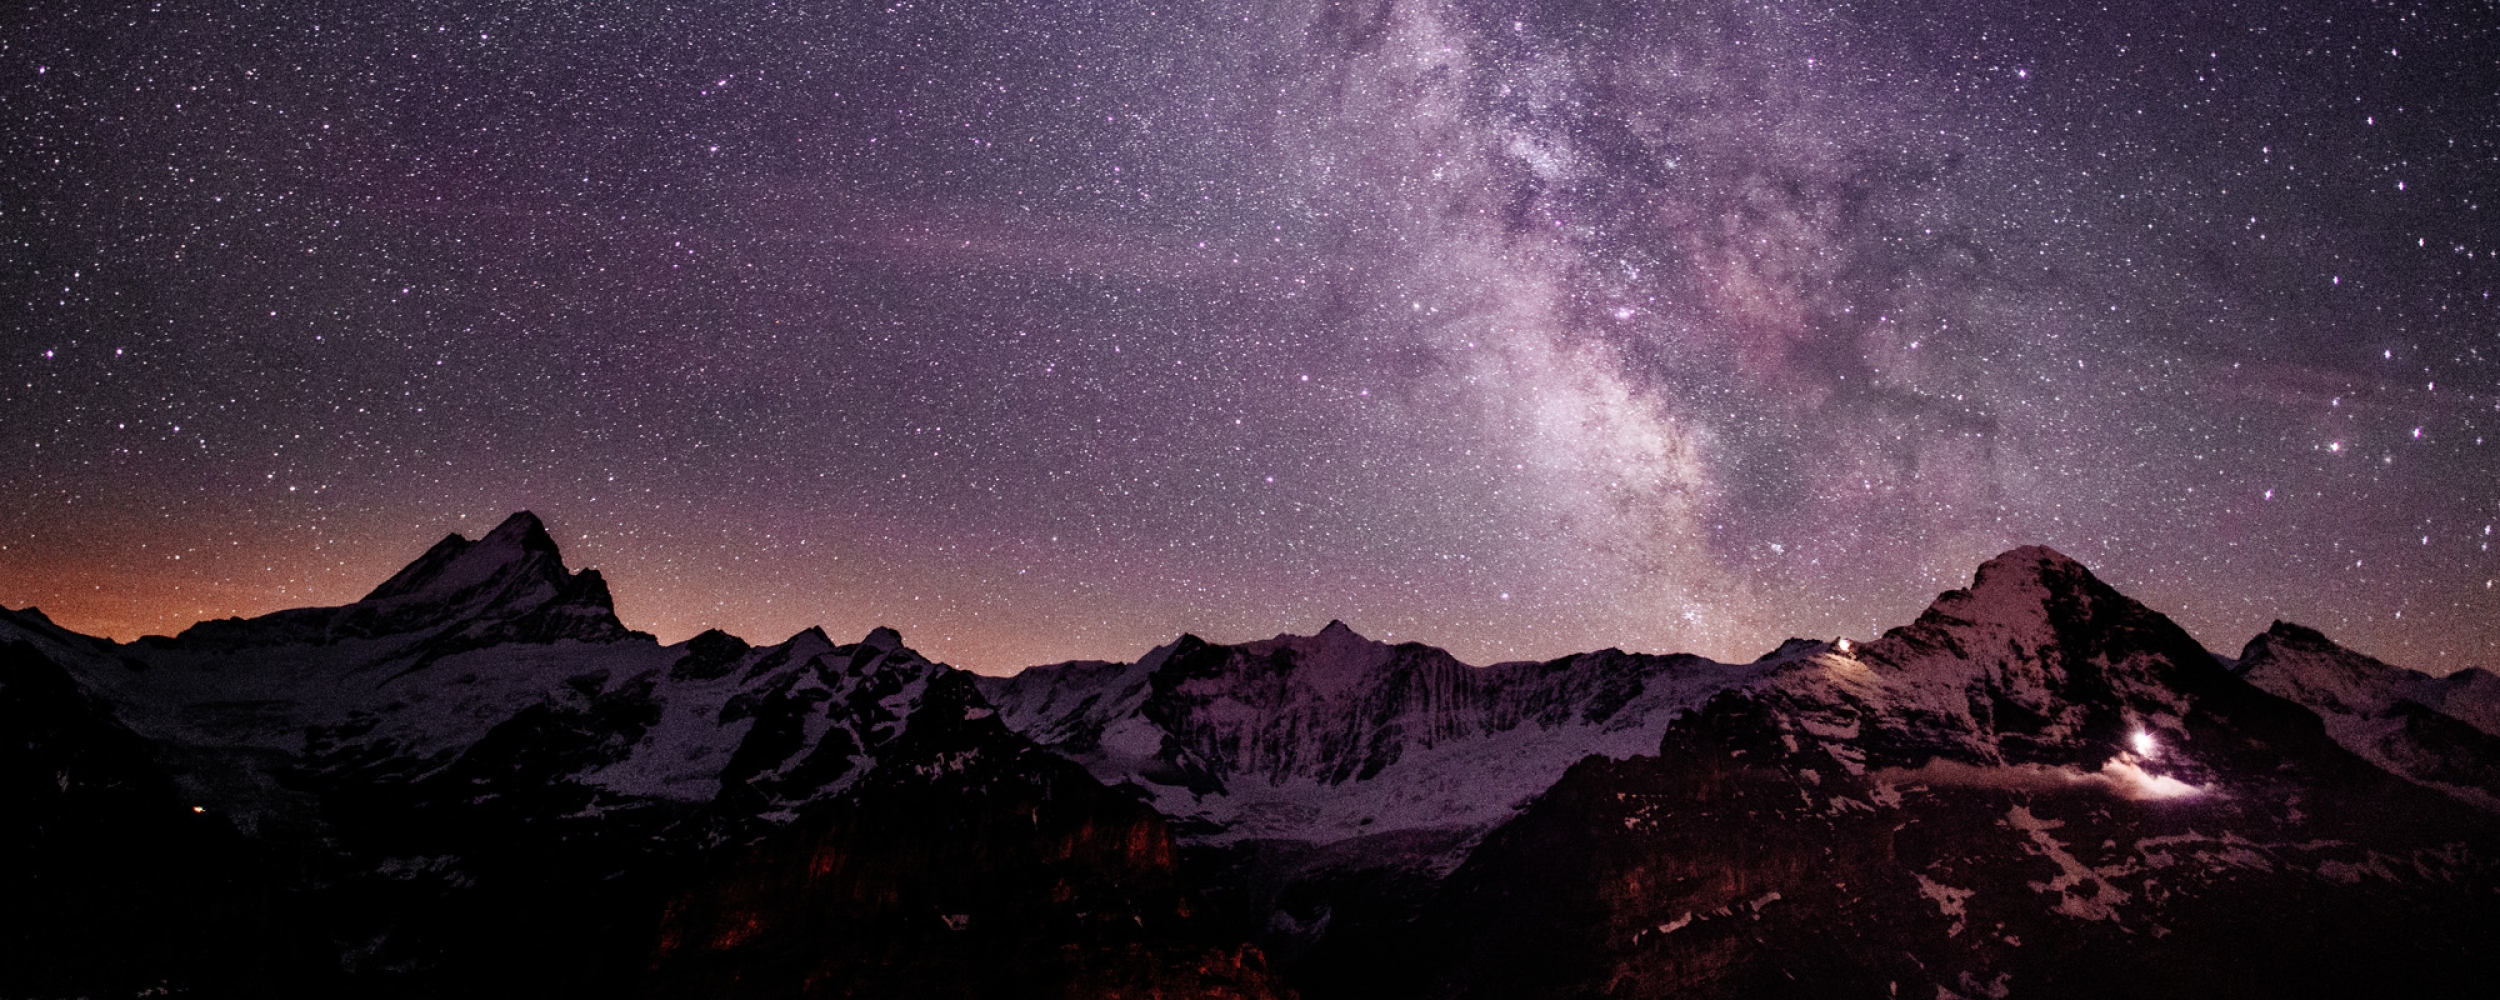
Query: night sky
1046	331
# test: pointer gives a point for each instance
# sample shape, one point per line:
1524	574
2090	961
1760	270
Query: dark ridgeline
476	781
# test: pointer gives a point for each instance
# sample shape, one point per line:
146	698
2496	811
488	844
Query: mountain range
477	781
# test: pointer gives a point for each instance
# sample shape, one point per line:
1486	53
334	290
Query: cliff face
509	586
1322	785
1329	737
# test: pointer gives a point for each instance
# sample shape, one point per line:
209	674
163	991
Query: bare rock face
1333	736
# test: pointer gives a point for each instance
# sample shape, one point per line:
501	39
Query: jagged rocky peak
2018	587
519	551
883	650
514	577
880	651
2035	602
509	586
2037	660
1334	637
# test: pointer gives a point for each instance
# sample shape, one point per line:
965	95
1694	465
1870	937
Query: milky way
1520	329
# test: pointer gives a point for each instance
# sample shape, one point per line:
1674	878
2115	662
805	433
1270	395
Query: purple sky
1044	331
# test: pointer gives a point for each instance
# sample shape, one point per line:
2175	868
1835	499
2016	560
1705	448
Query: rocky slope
2443	732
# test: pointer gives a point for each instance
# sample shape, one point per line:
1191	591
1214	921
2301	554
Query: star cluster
1052	332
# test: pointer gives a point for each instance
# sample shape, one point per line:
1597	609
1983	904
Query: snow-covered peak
518	551
1333	662
1333	735
883	638
2018	604
2014	590
2303	665
1796	648
2037	660
2440	731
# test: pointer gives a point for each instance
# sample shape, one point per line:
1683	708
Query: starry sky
1051	330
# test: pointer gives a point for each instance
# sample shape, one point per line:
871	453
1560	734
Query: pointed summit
2302	664
883	638
2022	578
517	550
2038	654
2034	591
2443	732
2034	560
513	578
510	585
2283	635
521	533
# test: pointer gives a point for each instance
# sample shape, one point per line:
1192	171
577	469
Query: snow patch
2103	901
2348	873
1949	902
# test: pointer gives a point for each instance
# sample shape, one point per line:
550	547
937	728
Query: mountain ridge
508	792
2441	732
